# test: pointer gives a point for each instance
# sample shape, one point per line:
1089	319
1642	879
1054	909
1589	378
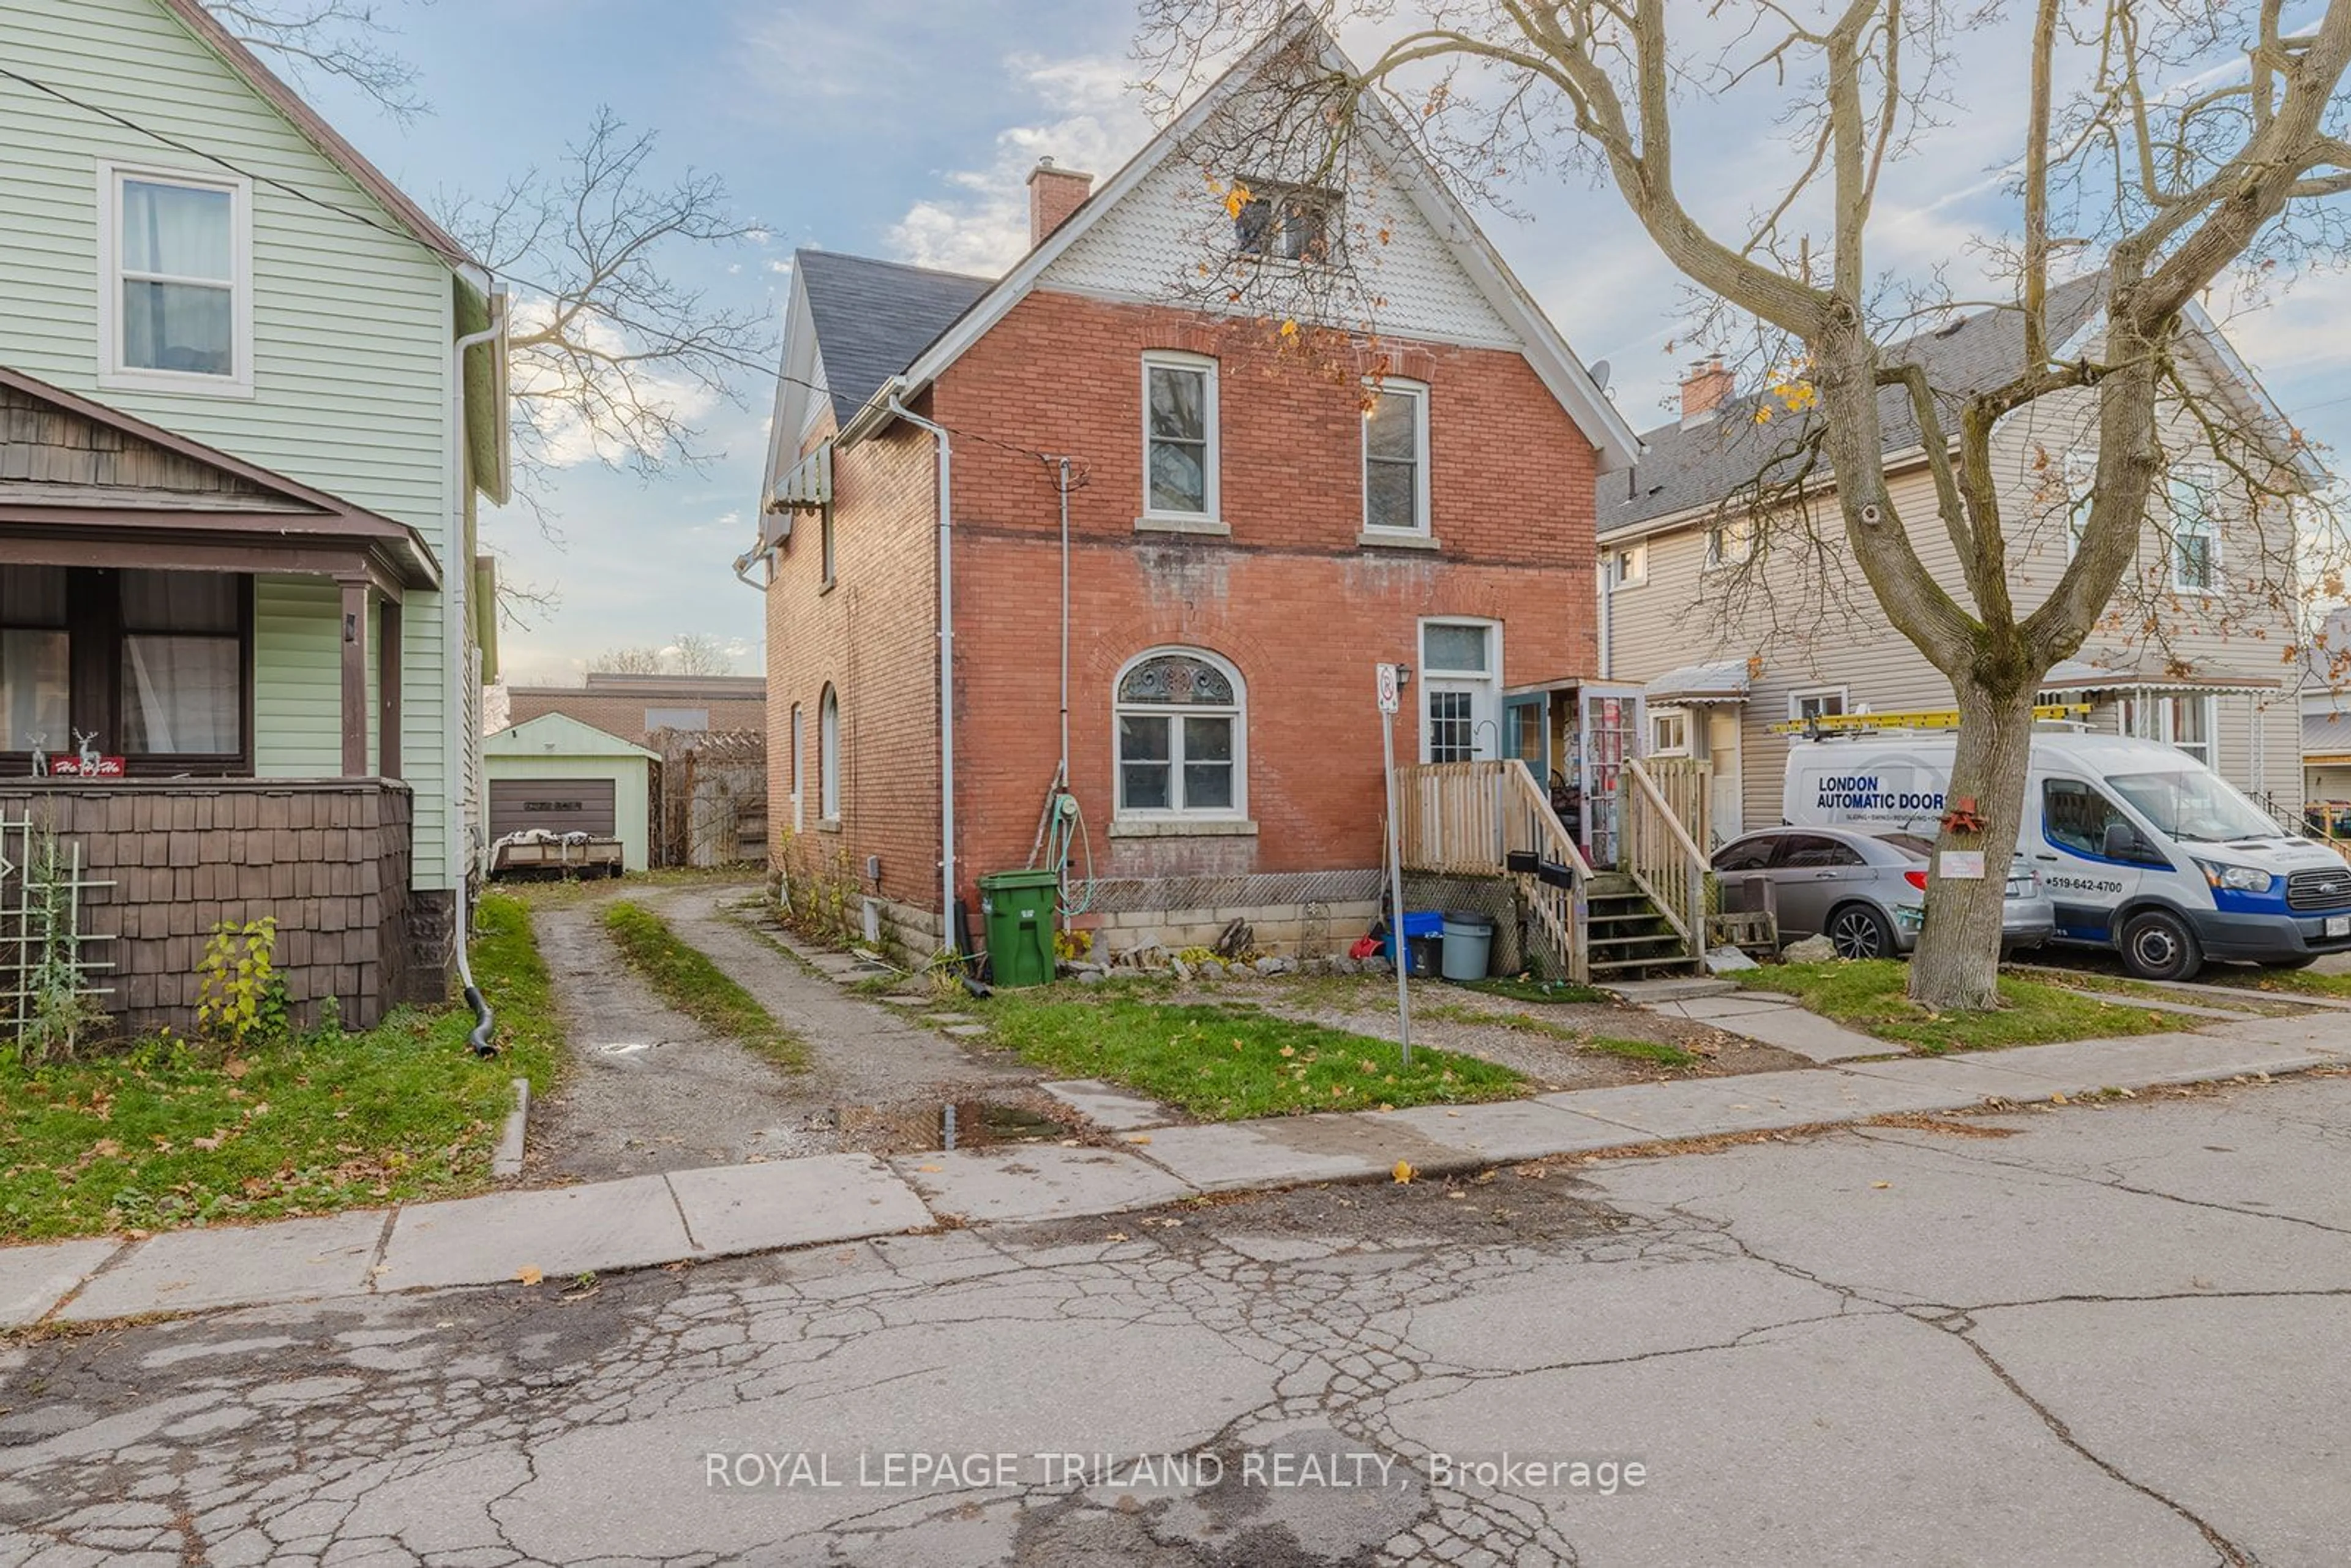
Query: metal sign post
1392	678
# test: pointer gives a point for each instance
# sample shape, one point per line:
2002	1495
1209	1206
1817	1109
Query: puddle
953	1124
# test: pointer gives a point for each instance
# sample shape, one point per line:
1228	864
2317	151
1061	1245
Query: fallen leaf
528	1275
1117	1236
1457	1195
930	1167
1453	1113
236	1067
1138	1137
1290	1051
1403	1171
2057	1100
1881	1184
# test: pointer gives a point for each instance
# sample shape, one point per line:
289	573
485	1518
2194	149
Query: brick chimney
1704	388
1054	195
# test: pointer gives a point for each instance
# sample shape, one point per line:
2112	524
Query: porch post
387	682
355	714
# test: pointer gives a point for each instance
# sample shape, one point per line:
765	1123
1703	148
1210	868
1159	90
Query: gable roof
559	734
1544	350
192	15
873	318
63	472
1684	467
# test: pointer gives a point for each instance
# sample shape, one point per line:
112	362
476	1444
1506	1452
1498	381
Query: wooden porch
1646	914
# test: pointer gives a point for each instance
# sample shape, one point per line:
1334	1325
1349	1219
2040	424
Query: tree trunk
1957	965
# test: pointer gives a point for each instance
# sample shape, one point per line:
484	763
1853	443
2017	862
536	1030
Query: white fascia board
790	412
2232	365
1544	350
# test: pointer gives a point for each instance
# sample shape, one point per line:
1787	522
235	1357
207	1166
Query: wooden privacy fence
1491	818
1658	851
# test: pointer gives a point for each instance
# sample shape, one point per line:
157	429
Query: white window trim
1418	392
1238	811
2079	472
1678	715
1743	528
2207	481
1796	700
2163	704
112	374
799	815
828	758
1639	575
1205	521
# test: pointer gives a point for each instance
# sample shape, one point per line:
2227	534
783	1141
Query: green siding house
249	396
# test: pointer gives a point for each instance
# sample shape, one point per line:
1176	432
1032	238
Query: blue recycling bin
1424	940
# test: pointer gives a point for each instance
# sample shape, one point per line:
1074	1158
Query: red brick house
1361	441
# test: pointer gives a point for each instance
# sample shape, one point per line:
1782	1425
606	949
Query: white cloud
1094	121
567	437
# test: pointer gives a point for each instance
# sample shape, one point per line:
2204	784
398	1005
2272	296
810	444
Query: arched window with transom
1183	736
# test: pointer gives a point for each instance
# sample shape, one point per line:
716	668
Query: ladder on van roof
1824	725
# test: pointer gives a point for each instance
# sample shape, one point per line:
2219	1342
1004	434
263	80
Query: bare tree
2166	144
612	358
694	654
337	38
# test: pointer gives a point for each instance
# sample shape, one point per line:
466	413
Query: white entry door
1722	753
1461	684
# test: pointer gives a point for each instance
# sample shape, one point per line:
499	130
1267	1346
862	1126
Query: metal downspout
946	668
484	1019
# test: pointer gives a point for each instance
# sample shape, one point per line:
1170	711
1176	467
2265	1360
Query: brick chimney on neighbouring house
1054	195
1704	388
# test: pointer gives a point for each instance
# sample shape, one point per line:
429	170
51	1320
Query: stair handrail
1566	913
1683	906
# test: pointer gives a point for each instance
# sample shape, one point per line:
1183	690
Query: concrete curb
697	1216
506	1164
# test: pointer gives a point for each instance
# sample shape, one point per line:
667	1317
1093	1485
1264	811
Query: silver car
1865	892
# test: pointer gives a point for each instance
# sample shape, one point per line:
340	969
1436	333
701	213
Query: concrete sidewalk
689	1215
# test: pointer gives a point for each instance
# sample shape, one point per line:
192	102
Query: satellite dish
1600	375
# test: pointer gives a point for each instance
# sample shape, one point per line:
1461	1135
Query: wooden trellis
43	889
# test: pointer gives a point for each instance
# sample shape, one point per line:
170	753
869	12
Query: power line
459	258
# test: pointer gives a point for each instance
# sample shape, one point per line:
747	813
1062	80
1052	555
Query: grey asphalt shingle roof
1702	465
873	318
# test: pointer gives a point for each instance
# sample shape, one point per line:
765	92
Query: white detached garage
557	773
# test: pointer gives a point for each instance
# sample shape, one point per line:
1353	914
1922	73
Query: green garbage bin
1018	908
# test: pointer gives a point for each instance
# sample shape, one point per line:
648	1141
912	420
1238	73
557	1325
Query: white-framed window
828	756
1179	436
1460	682
1628	565
1395	457
175	284
1289	223
1181	719
1818	702
1669	732
2195	540
1730	541
798	816
2081	471
2184	721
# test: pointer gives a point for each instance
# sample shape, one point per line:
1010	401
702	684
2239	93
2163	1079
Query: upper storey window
1289	223
176	303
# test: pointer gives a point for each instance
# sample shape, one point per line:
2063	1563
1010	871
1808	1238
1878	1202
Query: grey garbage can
1467	940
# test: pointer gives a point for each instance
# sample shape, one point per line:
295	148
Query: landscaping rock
1377	966
1810	950
1183	970
1269	967
1211	969
1724	960
1342	964
1091	978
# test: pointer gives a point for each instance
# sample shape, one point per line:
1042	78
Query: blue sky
902	128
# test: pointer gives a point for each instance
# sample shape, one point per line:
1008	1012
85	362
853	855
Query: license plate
2338	926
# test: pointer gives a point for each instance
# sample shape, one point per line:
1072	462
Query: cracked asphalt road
2098	1334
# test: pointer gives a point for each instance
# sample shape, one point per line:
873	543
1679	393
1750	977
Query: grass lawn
1868	995
1228	1061
166	1134
2280	982
688	981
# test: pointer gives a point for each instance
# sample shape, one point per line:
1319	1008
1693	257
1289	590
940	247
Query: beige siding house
1731	629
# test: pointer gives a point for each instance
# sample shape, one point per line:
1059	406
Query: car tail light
1917	879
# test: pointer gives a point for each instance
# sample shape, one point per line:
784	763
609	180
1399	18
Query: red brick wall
873	636
1291	598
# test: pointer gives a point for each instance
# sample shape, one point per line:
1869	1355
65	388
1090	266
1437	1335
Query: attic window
1288	223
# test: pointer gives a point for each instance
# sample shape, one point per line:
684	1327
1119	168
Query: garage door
558	805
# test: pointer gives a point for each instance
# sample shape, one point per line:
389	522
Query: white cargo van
2142	848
